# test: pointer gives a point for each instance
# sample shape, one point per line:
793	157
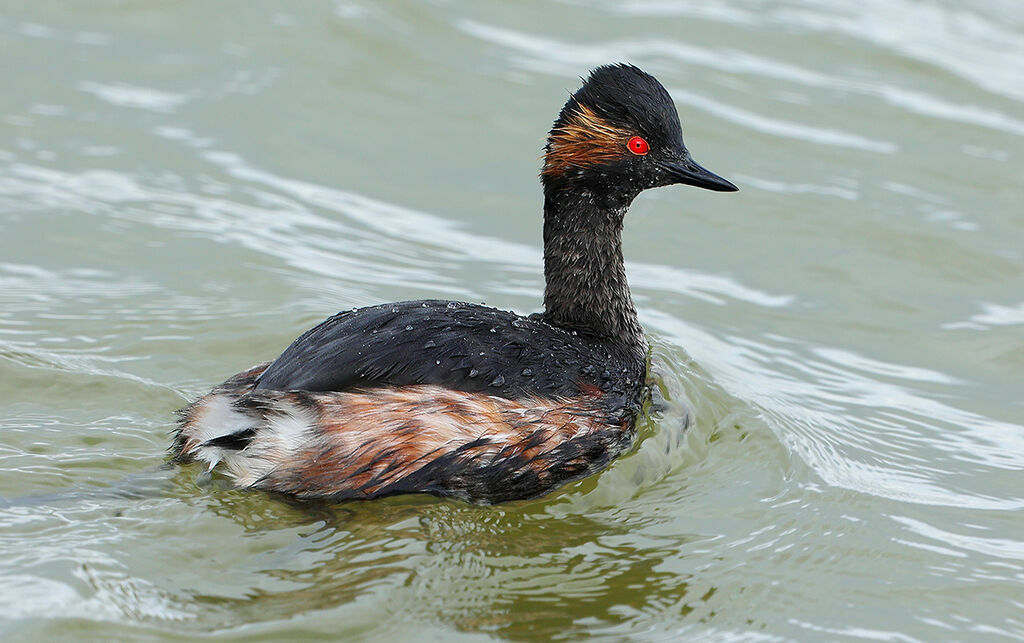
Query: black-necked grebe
456	399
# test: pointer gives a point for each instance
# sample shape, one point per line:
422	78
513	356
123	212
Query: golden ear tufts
586	140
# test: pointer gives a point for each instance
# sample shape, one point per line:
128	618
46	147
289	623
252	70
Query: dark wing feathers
461	346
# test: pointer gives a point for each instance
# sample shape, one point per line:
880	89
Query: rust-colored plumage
372	441
388	440
584	140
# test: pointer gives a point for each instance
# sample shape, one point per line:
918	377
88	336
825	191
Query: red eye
638	146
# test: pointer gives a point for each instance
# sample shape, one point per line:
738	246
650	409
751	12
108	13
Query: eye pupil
638	146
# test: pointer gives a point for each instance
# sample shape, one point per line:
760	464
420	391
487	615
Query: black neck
586	289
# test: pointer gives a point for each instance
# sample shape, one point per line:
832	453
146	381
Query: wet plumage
463	400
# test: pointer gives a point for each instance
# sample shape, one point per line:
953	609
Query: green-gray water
186	186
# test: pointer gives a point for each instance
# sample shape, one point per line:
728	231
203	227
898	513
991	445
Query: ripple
860	431
548	55
992	315
785	129
964	42
124	95
995	547
21	283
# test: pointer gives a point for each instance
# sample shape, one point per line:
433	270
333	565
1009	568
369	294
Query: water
185	188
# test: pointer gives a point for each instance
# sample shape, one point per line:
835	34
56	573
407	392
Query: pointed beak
689	172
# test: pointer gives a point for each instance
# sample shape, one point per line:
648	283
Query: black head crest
620	133
629	98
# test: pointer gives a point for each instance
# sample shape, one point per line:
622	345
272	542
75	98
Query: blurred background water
185	187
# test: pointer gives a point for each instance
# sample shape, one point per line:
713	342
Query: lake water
185	187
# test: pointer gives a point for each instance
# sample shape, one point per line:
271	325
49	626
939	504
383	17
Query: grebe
457	399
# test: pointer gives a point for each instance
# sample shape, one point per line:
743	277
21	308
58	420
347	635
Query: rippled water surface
185	187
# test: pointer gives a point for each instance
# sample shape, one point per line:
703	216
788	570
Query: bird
463	400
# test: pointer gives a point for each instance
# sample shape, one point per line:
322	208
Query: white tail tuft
274	431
